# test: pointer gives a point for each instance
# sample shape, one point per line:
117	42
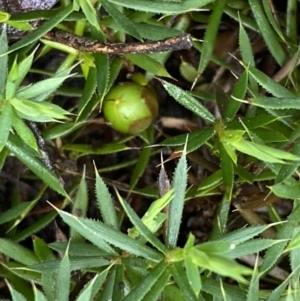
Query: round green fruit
130	108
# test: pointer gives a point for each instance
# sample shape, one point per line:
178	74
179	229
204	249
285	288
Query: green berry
130	108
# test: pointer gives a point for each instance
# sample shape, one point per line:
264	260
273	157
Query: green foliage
235	134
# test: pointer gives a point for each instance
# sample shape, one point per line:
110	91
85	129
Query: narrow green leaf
139	291
294	260
193	275
63	281
269	136
24	131
87	229
283	190
213	287
180	278
42	89
279	291
41	249
142	162
90	13
16	296
271	18
14	212
160	7
120	285
98	232
3	60
276	103
42	29
253	290
48	283
103	73
76	263
294	242
78	249
245	47
156	207
211	181
140	226
92	288
176	206
148	64
15	146
158	31
287	170
155	293
121	19
22	69
219	264
61	130
5	124
267	32
227	171
88	91
34	109
263	152
189	102
107	291
220	223
210	34
115	68
34	228
195	139
17	252
269	84
284	233
27	209
80	207
291	21
105	203
251	123
108	148
253	246
38	295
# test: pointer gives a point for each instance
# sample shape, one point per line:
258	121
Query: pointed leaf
193	275
38	295
15	146
140	226
23	131
148	64
210	34
43	89
97	233
105	203
16	296
42	29
80	207
121	19
276	103
267	32
189	102
3	60
17	252
159	7
176	206
139	291
63	281
92	288
5	124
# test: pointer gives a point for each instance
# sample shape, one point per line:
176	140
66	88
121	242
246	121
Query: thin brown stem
85	44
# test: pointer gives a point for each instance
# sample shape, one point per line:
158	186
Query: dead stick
85	44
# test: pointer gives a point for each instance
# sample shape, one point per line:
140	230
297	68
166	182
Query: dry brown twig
86	44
